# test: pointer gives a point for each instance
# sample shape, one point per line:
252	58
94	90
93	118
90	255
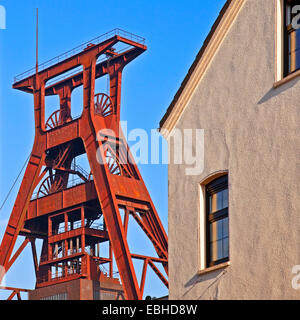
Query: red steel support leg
17	217
113	221
106	197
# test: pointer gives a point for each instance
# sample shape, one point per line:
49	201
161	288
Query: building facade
234	227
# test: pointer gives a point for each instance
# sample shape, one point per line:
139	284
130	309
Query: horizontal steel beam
15	289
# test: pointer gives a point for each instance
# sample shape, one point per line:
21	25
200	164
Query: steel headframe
116	179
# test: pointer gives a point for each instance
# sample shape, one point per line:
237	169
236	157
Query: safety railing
54	276
74	266
78	49
77	225
79	169
72	182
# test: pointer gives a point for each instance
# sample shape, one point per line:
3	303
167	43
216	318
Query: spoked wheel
113	165
54	120
51	184
103	105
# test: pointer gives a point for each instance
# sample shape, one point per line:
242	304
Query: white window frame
203	268
279	66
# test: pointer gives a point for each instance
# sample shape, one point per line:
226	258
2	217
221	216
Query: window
217	221
291	36
59	296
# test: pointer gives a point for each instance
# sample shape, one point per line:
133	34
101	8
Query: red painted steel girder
115	189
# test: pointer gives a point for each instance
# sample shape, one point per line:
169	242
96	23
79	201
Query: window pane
225	227
294	61
294	50
213	203
225	198
216	250
297	57
216	230
213	251
220	249
220	200
297	39
220	229
225	247
297	49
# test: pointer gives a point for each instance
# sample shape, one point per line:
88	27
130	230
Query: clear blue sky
174	32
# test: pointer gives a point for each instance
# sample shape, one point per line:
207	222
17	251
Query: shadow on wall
273	92
211	279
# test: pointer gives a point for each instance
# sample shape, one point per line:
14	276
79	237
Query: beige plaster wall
251	130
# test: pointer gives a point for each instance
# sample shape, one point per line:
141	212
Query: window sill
287	79
214	268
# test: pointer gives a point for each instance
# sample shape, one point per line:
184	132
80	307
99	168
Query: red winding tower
73	221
